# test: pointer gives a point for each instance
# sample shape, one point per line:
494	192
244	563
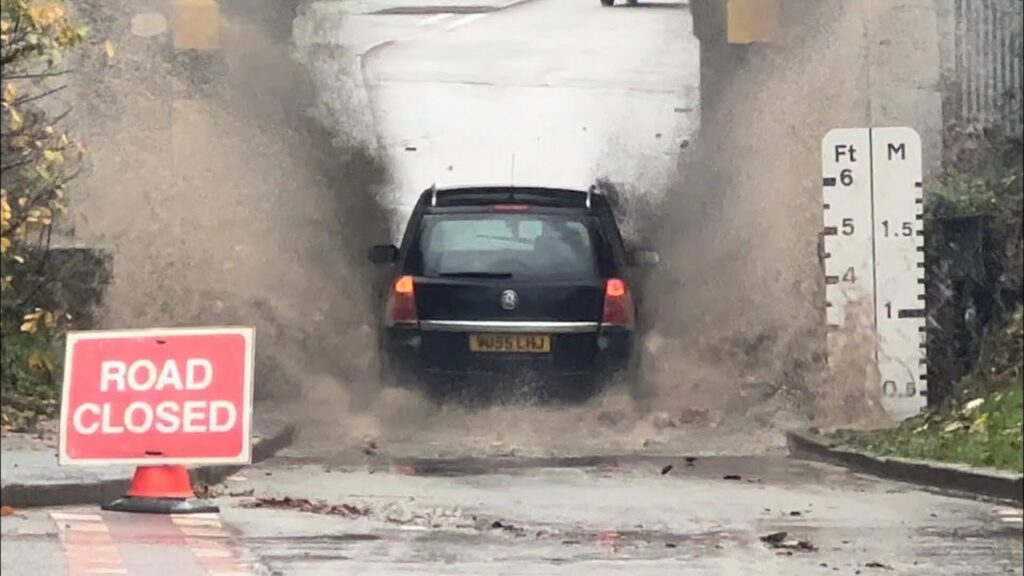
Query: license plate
511	343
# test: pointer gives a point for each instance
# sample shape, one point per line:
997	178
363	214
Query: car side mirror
645	258
383	254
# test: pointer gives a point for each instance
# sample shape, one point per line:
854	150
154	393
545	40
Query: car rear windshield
555	247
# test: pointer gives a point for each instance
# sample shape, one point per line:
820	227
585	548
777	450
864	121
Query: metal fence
987	88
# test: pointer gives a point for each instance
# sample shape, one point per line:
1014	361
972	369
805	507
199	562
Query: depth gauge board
874	255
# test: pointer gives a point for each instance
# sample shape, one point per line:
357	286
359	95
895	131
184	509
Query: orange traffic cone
164	489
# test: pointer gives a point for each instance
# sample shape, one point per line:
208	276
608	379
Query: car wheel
607	2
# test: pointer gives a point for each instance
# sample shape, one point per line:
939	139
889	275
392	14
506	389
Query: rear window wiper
506	239
475	274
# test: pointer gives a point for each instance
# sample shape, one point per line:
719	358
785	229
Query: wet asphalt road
547	516
621	516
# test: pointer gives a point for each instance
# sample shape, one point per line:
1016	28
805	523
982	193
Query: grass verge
986	431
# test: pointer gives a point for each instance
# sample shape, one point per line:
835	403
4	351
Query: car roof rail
590	192
433	194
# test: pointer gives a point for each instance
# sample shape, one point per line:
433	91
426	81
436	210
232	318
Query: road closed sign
163	396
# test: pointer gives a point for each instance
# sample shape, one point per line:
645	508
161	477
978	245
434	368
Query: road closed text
165	417
157	396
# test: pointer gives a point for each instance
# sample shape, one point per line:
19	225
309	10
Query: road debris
878	565
785	545
433	517
666	469
242	493
305	505
732	477
206	491
370	447
510	528
690	460
608	537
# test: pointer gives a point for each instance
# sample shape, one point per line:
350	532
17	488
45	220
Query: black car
496	285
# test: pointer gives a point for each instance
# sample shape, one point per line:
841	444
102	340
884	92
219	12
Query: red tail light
511	207
618	304
402	302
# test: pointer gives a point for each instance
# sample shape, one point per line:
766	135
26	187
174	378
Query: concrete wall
894	55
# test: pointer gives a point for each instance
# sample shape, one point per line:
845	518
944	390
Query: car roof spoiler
485	195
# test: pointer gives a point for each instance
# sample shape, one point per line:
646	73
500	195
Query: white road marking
1010	515
88	546
463	21
89	527
199	532
65	516
203	516
185	521
433	19
207	539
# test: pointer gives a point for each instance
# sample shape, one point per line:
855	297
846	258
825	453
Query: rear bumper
578	350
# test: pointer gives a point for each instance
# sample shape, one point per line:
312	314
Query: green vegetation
38	161
985	432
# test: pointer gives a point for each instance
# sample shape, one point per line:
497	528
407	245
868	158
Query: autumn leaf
953	426
45	14
108	46
37	361
16	120
53	156
5	211
32	321
980	424
10	92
